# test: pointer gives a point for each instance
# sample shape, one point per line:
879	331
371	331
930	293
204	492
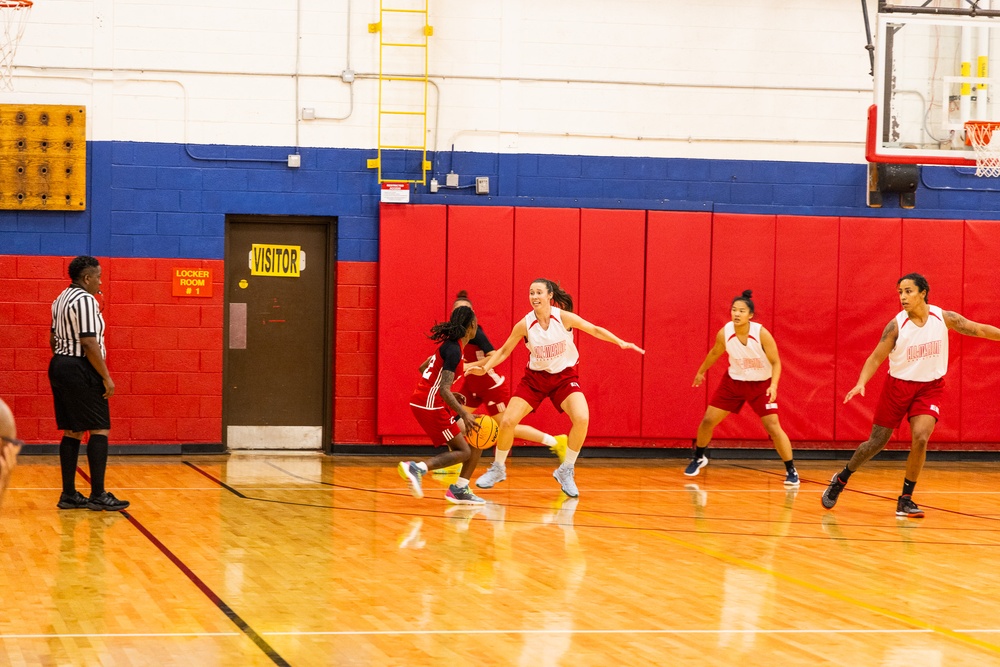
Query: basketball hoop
13	18
979	135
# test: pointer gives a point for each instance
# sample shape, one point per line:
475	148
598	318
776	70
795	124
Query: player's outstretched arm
967	327
875	359
451	400
492	361
574	321
713	355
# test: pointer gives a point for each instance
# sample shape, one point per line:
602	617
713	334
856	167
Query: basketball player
491	391
754	371
551	373
440	413
9	446
916	343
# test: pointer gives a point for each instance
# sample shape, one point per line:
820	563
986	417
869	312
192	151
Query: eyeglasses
12	441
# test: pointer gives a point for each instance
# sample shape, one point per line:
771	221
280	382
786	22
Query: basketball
486	436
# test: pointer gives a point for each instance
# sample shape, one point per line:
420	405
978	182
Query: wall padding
612	273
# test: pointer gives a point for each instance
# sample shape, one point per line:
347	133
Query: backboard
934	70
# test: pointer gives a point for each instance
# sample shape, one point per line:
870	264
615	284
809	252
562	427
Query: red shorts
482	394
907	398
536	386
732	394
439	424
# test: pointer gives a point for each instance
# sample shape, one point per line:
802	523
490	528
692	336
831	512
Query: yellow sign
276	260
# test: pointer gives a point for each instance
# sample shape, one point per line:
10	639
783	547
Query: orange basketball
486	436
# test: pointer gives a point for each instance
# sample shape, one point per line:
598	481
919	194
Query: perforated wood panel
43	157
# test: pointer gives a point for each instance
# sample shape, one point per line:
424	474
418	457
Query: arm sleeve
86	312
481	341
451	353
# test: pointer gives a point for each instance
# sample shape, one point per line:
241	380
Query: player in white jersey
551	374
916	344
754	371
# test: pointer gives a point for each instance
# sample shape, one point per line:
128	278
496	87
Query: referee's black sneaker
72	501
106	502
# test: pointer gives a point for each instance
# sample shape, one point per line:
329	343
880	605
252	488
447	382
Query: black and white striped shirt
75	315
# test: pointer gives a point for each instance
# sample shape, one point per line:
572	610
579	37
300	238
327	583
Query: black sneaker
695	466
907	508
74	501
833	491
106	502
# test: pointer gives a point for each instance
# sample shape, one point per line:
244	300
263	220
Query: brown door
277	333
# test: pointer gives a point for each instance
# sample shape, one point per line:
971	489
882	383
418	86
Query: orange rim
15	4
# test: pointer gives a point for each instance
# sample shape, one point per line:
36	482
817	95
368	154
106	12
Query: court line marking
570	631
230	613
121	634
957	635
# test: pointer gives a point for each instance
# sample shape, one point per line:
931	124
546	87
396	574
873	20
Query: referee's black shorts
78	394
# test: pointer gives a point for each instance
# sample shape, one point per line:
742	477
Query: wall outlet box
482	185
434	185
451	180
295	160
308	113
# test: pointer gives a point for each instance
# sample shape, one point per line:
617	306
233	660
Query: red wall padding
612	296
825	287
546	245
980	386
412	254
481	261
804	324
870	250
678	263
742	258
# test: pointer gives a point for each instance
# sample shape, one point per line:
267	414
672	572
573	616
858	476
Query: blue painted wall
170	200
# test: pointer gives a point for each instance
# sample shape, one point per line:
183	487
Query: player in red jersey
491	392
916	344
440	412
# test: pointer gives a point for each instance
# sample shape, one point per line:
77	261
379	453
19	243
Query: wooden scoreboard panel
43	157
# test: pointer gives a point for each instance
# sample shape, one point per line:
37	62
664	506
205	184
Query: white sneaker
564	475
496	474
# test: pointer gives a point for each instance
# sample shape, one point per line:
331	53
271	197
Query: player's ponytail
746	298
454	329
560	297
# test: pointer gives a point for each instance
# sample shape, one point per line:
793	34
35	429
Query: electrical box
451	180
482	185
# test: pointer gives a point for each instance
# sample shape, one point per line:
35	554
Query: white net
986	144
13	18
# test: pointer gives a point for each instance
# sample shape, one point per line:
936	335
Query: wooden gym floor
309	560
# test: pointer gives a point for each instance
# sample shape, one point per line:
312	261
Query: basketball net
13	18
987	147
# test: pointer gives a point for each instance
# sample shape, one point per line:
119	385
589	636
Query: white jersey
921	353
746	362
552	350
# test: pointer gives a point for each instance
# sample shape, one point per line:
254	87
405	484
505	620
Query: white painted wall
742	79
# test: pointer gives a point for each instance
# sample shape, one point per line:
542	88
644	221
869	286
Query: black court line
204	588
695	531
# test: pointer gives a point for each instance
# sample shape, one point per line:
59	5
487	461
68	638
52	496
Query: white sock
462	483
570	458
548	440
501	456
422	466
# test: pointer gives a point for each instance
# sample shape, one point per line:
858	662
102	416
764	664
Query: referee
81	385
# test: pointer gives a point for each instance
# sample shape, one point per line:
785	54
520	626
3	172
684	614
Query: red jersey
447	358
476	349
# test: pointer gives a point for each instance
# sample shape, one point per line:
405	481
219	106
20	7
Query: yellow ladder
402	99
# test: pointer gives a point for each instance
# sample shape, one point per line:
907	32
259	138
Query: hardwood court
329	561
